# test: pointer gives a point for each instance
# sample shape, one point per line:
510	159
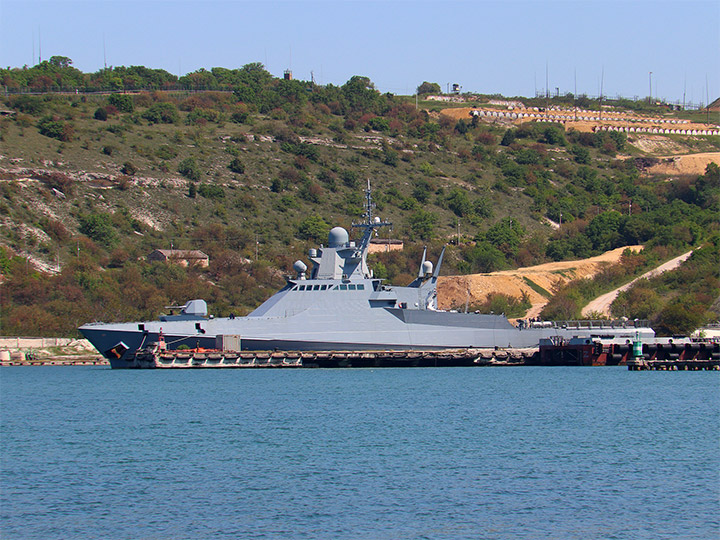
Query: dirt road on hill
455	291
602	303
689	164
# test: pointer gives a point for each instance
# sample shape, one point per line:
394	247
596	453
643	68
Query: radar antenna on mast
370	223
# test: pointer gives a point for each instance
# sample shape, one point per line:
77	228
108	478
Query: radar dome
427	268
299	267
338	237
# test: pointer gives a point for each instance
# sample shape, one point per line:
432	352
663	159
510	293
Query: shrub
101	114
53	127
166	152
350	178
201	116
422	224
122	102
59	181
508	138
582	155
162	113
128	168
239	117
313	228
378	124
99	227
237	166
553	135
211	191
28	104
189	169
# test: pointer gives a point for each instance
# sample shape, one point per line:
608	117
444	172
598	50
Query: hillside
256	172
455	291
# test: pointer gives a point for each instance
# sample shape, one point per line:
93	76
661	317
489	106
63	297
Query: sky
627	48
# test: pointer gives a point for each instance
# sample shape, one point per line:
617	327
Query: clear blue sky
485	46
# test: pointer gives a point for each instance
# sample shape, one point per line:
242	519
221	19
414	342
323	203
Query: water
456	453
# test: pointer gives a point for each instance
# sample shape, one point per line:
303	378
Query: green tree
484	257
604	230
53	127
508	138
314	228
429	88
422	224
188	167
122	102
99	227
100	114
211	191
581	154
361	94
459	202
553	135
162	113
506	235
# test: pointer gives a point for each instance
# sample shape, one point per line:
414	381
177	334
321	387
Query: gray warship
339	305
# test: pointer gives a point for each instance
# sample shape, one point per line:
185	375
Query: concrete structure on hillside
183	257
378	245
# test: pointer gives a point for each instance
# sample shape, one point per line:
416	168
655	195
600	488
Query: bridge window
316	288
351	287
361	287
301	288
343	287
323	287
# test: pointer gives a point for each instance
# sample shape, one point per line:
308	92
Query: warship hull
385	330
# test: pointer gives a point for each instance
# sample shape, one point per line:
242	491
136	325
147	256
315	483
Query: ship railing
593	324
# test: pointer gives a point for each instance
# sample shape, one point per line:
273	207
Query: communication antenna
602	80
39	47
575	93
104	52
707	101
547	91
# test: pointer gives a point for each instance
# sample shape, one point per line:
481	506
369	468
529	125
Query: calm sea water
456	453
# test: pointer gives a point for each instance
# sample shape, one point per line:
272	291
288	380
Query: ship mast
370	223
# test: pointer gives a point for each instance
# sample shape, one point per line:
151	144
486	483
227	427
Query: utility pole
650	94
